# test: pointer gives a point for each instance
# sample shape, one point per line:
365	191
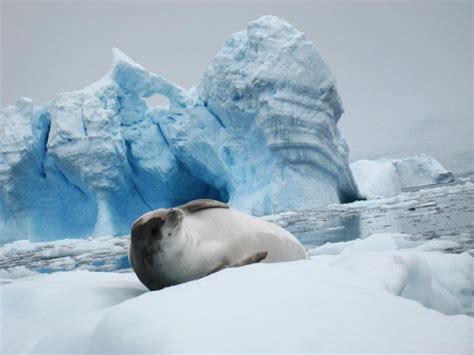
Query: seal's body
172	246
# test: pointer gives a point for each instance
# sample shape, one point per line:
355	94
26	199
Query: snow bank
370	297
15	273
262	121
387	177
439	281
385	242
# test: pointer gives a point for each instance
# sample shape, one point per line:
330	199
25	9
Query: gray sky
404	68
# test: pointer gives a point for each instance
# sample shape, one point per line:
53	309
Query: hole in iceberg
157	100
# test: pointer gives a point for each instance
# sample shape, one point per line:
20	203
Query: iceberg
421	170
259	131
387	177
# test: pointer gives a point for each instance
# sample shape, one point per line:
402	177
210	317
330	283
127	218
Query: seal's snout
135	227
148	226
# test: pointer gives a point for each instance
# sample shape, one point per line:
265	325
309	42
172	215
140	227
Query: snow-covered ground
381	294
386	275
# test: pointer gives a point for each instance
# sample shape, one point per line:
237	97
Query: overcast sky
404	68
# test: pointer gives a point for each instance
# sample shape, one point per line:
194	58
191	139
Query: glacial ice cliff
259	131
387	177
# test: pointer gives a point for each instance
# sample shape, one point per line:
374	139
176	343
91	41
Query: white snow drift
371	296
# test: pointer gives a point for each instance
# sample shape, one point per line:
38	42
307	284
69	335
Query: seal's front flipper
253	259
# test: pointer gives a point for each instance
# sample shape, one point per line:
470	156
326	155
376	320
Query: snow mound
262	121
15	273
370	297
387	177
439	281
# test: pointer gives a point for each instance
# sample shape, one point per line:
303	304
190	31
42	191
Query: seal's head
157	228
154	235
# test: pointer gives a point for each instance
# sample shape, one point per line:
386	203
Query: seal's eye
172	218
154	231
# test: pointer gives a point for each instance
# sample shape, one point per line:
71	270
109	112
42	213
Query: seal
172	246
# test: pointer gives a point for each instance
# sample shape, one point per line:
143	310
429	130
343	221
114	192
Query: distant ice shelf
259	131
387	177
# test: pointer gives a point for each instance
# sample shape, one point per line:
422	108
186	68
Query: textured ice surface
259	131
369	298
105	253
387	177
269	82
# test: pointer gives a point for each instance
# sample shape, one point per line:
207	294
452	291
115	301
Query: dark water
428	213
